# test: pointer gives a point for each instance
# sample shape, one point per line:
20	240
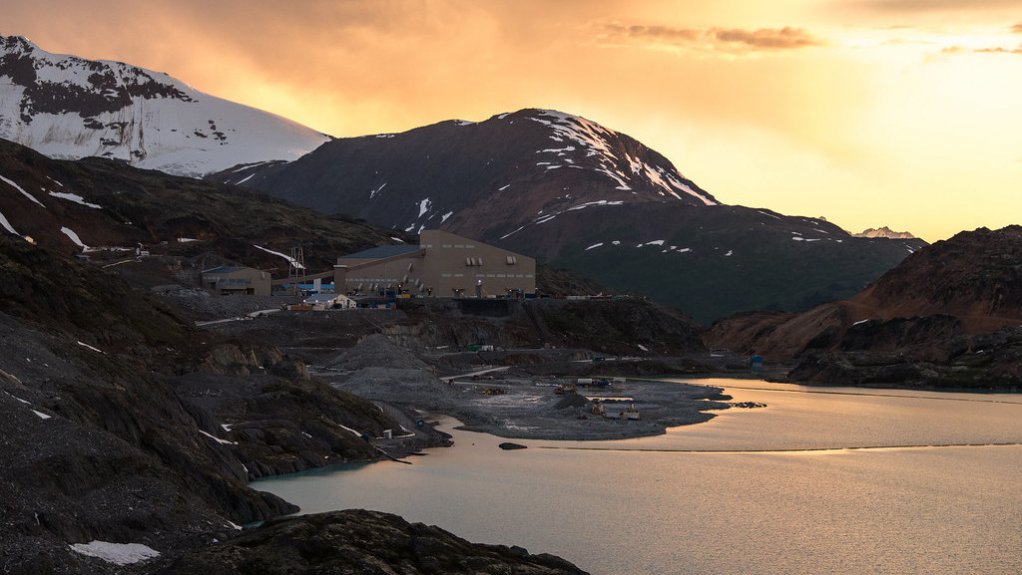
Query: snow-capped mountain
583	197
884	232
484	179
68	107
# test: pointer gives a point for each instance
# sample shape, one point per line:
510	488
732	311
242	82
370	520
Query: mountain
105	207
884	232
948	315
68	107
586	198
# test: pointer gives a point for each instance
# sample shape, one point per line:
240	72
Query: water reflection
739	494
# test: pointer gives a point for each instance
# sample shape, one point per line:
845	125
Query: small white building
325	301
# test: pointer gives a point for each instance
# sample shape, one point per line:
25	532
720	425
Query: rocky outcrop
946	317
358	541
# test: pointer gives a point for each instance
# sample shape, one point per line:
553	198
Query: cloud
1017	29
729	40
910	6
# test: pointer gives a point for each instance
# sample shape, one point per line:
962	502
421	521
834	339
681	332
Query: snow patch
398	240
7	225
76	199
20	189
502	188
655	243
424	206
373	192
350	430
445	216
74	237
729	253
116	553
42	415
861	321
217	439
186	240
290	259
245	179
594	246
87	346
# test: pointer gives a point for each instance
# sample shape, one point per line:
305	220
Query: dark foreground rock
359	542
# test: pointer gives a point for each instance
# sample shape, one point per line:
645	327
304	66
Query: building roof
381	252
224	270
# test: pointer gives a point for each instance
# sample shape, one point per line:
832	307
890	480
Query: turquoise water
820	481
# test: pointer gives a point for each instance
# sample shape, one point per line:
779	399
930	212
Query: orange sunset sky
906	113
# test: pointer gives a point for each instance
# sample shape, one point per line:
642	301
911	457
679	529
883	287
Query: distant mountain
68	107
884	232
586	198
948	315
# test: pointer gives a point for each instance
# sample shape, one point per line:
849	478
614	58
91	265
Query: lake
822	480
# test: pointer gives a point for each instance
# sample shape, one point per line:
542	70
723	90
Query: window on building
511	260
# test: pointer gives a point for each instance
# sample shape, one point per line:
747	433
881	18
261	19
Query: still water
821	481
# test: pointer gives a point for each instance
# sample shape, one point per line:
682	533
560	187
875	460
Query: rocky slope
69	107
364	542
586	198
947	316
122	424
107	209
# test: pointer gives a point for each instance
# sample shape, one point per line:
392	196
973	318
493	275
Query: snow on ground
445	216
507	235
245	179
398	240
20	189
595	203
41	414
186	240
350	430
16	398
290	259
594	246
372	193
424	206
655	243
116	553
798	239
7	225
76	199
729	253
74	237
87	346
504	187
217	439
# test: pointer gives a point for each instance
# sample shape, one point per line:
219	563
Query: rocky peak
884	232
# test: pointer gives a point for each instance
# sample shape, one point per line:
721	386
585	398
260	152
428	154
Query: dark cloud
716	39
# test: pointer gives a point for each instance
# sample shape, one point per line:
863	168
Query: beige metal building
442	265
227	280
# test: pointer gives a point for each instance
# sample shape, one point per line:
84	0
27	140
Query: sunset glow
867	112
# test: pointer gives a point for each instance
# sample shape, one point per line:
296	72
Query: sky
904	113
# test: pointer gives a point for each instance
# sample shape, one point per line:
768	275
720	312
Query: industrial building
228	280
442	265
